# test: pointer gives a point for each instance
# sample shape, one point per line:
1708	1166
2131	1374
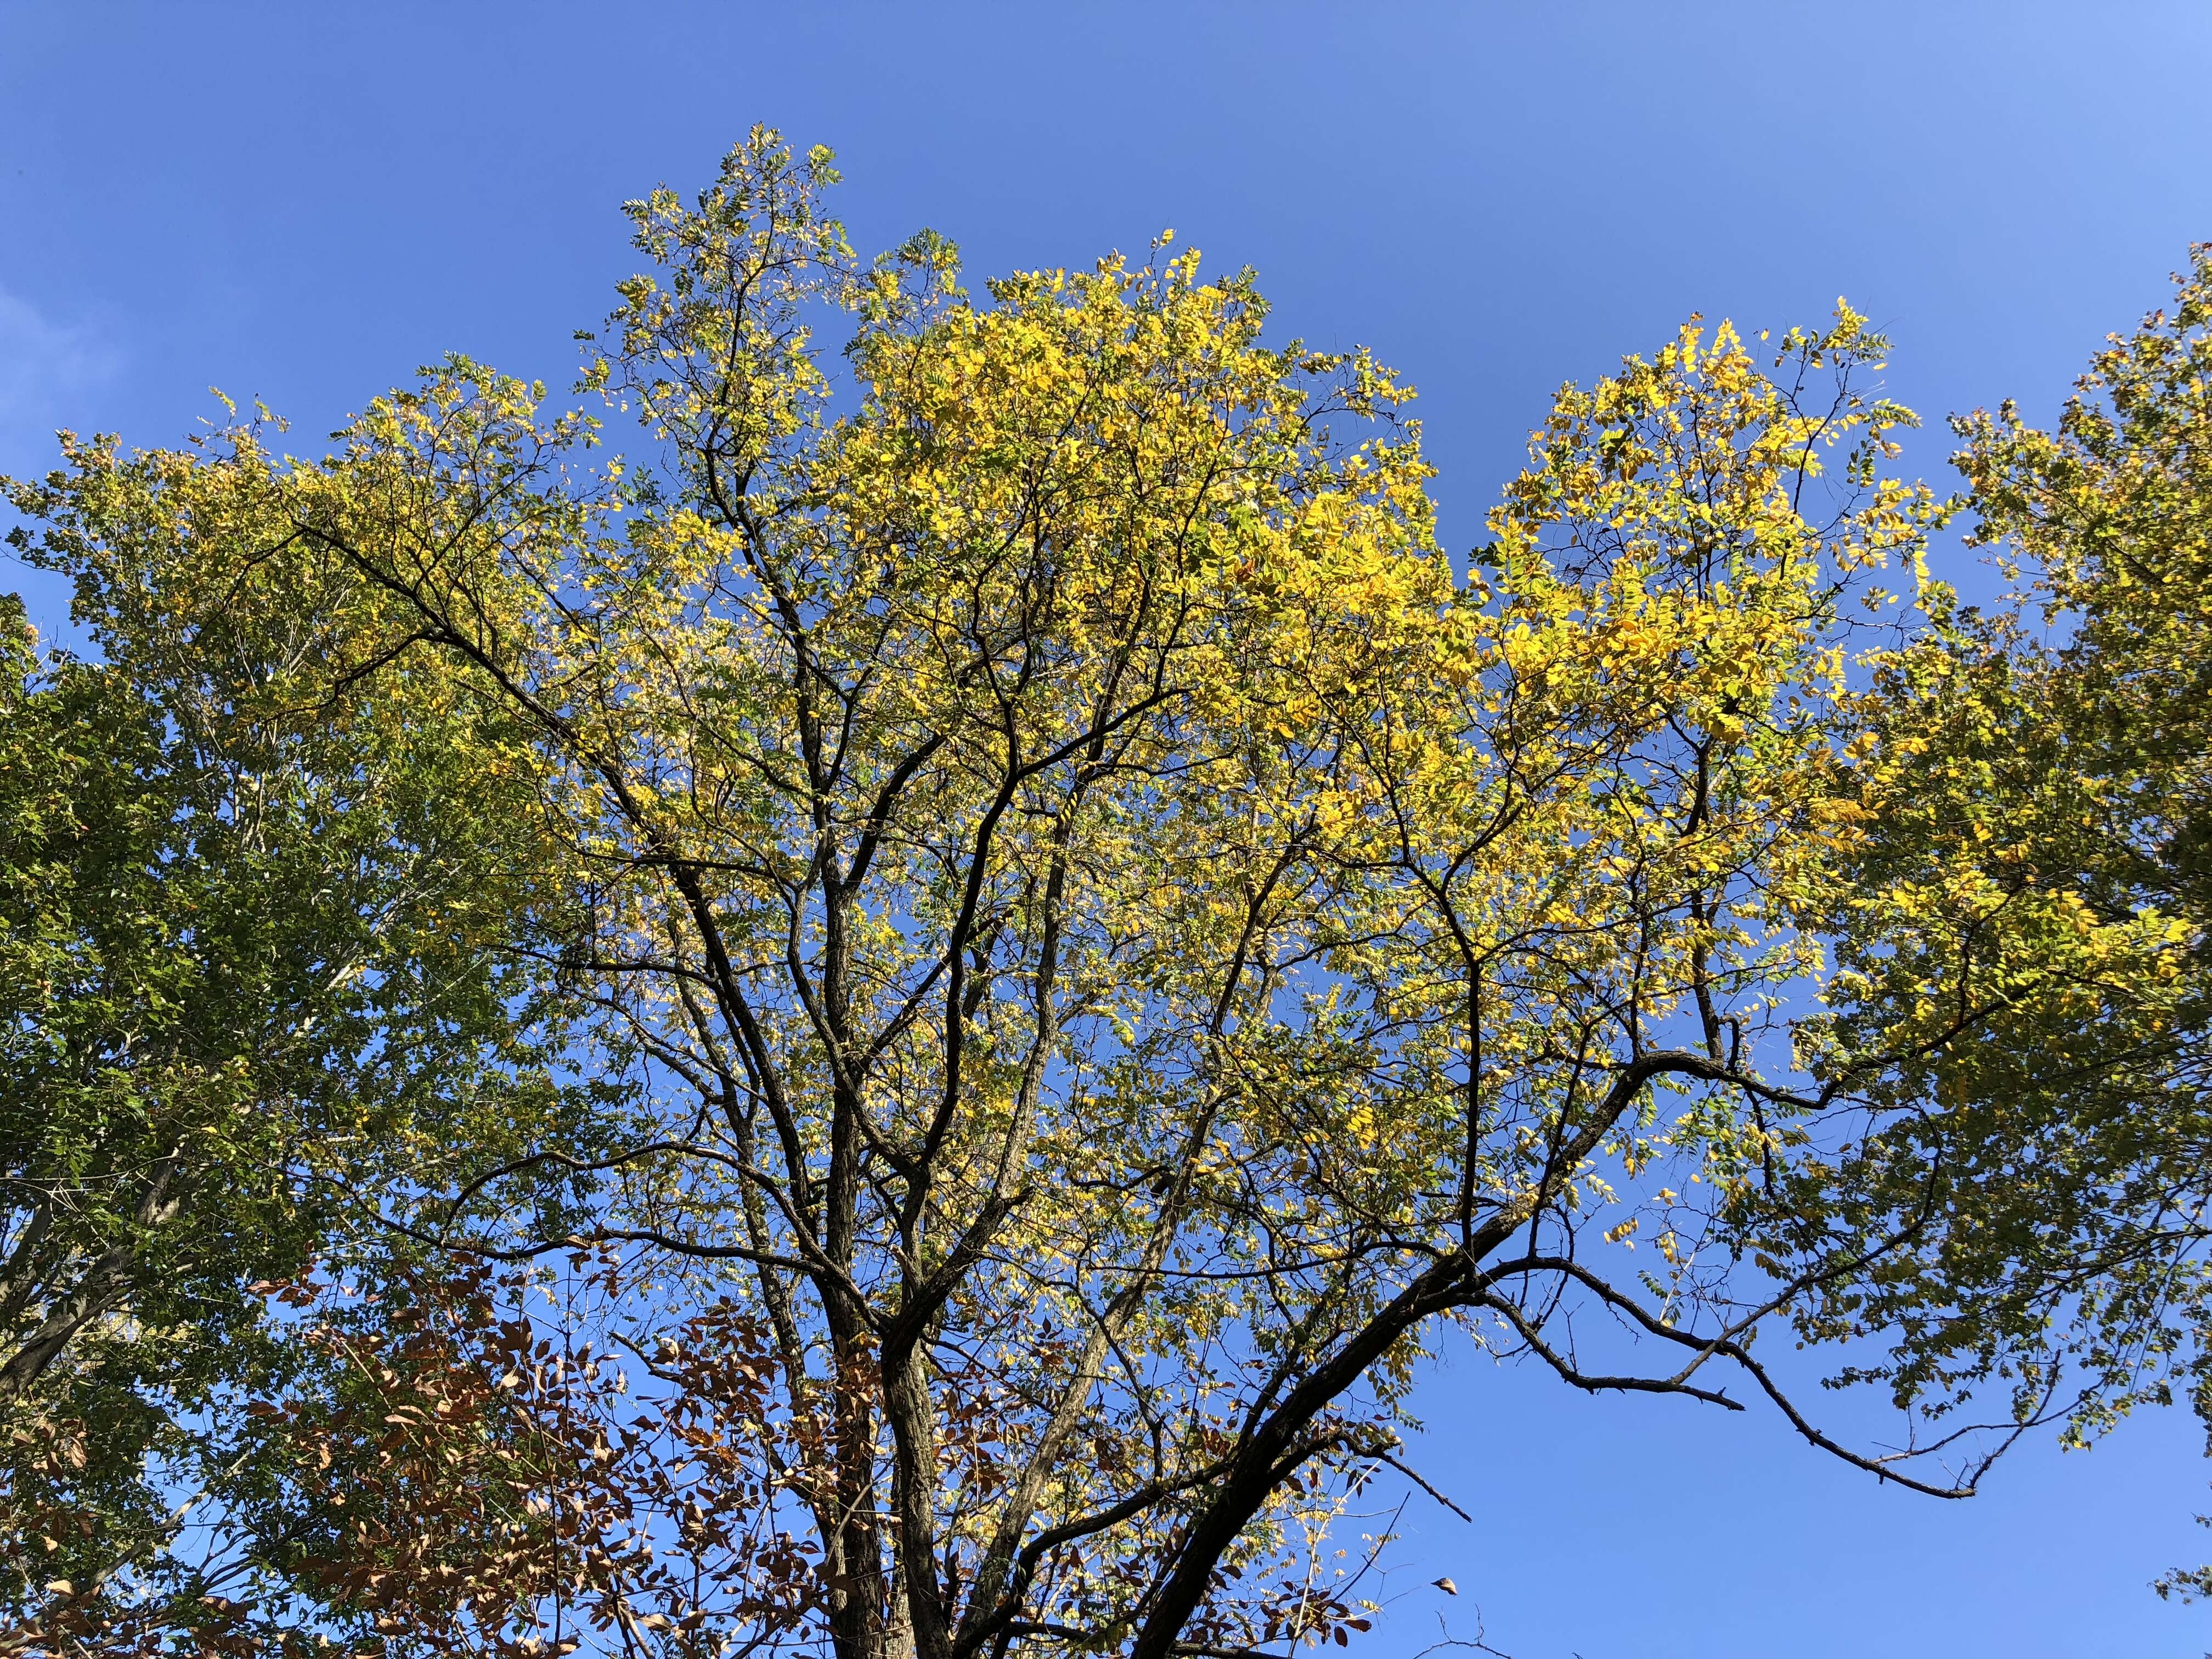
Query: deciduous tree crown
889	1026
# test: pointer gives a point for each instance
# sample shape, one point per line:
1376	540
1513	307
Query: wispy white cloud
45	368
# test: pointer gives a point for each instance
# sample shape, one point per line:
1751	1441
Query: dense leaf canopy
890	1025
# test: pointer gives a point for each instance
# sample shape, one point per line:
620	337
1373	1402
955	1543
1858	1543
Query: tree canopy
2028	923
890	1025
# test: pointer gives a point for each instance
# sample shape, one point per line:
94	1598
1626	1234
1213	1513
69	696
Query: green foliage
1001	947
246	988
2021	999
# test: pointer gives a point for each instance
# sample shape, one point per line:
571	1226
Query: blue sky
301	204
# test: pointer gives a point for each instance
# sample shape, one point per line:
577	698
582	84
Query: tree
2030	922
236	956
1096	947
